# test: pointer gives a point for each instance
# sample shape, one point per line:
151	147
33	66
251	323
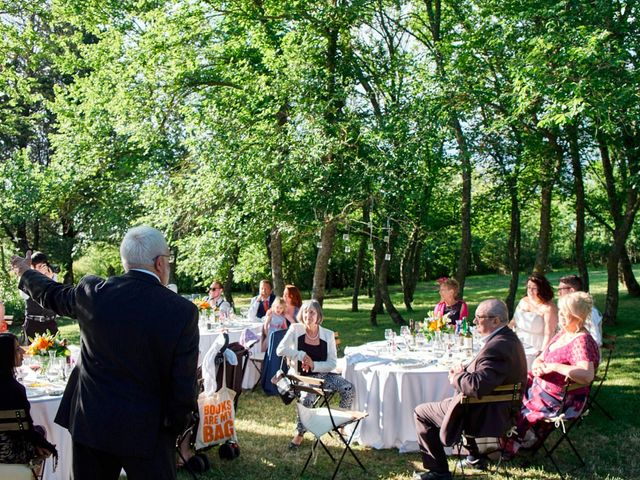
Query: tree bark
626	268
574	151
383	285
623	224
410	267
228	281
327	239
378	304
359	273
465	213
514	244
275	245
550	169
68	236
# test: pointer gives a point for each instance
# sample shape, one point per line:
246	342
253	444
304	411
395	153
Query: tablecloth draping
43	412
390	385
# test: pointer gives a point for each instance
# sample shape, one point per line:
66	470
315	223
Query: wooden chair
16	421
606	351
511	396
322	419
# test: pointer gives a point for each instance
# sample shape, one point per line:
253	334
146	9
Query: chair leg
347	446
597	404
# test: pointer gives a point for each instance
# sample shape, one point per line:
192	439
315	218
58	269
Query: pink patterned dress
544	395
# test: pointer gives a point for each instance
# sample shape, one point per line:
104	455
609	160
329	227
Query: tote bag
217	416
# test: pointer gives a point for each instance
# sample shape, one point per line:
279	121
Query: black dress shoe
293	446
432	476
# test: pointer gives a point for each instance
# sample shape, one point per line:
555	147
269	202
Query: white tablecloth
43	412
390	386
389	393
207	337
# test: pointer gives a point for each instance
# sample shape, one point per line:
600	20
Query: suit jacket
501	361
138	358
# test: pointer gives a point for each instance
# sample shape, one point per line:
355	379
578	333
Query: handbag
217	416
283	384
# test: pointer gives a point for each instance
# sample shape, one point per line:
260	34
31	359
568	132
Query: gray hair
496	308
311	305
141	246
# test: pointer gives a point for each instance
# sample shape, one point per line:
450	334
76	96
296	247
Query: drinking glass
389	335
406	335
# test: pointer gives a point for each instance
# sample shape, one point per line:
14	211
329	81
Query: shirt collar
485	339
147	272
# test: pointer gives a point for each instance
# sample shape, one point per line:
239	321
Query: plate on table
34	392
408	363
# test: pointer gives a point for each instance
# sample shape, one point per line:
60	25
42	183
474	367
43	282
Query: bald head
495	308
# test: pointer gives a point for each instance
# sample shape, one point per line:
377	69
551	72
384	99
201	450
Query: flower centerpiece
47	342
203	305
435	324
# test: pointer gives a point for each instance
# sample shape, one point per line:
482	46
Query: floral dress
544	395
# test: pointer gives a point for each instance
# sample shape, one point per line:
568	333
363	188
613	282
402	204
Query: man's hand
454	371
19	265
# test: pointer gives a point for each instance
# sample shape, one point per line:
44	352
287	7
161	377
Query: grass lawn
265	425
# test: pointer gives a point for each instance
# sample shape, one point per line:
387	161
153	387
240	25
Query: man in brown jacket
500	361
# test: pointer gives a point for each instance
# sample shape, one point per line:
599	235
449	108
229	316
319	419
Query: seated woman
572	355
449	302
536	317
3	324
293	302
313	349
18	447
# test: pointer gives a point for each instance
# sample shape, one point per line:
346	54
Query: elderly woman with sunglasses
312	348
571	356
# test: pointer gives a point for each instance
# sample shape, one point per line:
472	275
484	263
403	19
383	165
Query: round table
43	412
390	385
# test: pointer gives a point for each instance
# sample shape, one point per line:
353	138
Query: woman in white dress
536	317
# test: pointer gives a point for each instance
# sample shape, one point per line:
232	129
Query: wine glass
389	335
406	335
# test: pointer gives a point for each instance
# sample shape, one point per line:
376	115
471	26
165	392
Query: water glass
389	336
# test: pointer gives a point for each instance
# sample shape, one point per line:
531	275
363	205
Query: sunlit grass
265	425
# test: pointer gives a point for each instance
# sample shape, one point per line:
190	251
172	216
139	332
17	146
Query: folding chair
564	426
322	419
511	396
607	349
15	421
272	363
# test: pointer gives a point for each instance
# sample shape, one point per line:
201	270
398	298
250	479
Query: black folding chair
15	422
606	351
511	396
564	427
322	419
235	373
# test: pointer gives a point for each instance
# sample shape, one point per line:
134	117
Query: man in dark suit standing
501	361
134	388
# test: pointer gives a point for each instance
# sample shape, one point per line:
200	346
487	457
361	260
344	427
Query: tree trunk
378	304
514	244
359	273
68	236
550	169
633	288
383	284
327	238
465	214
623	222
574	151
228	281
275	245
410	267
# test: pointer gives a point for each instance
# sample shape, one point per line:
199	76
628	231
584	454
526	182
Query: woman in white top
313	351
536	317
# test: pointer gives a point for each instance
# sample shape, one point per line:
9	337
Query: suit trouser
429	418
92	464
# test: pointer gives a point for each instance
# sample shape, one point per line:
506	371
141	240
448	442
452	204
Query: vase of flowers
46	346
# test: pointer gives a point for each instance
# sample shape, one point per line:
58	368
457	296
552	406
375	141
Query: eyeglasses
169	256
561	289
484	317
213	289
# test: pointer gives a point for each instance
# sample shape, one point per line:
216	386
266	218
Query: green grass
265	425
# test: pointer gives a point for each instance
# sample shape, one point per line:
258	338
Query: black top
33	308
318	353
453	311
14	397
